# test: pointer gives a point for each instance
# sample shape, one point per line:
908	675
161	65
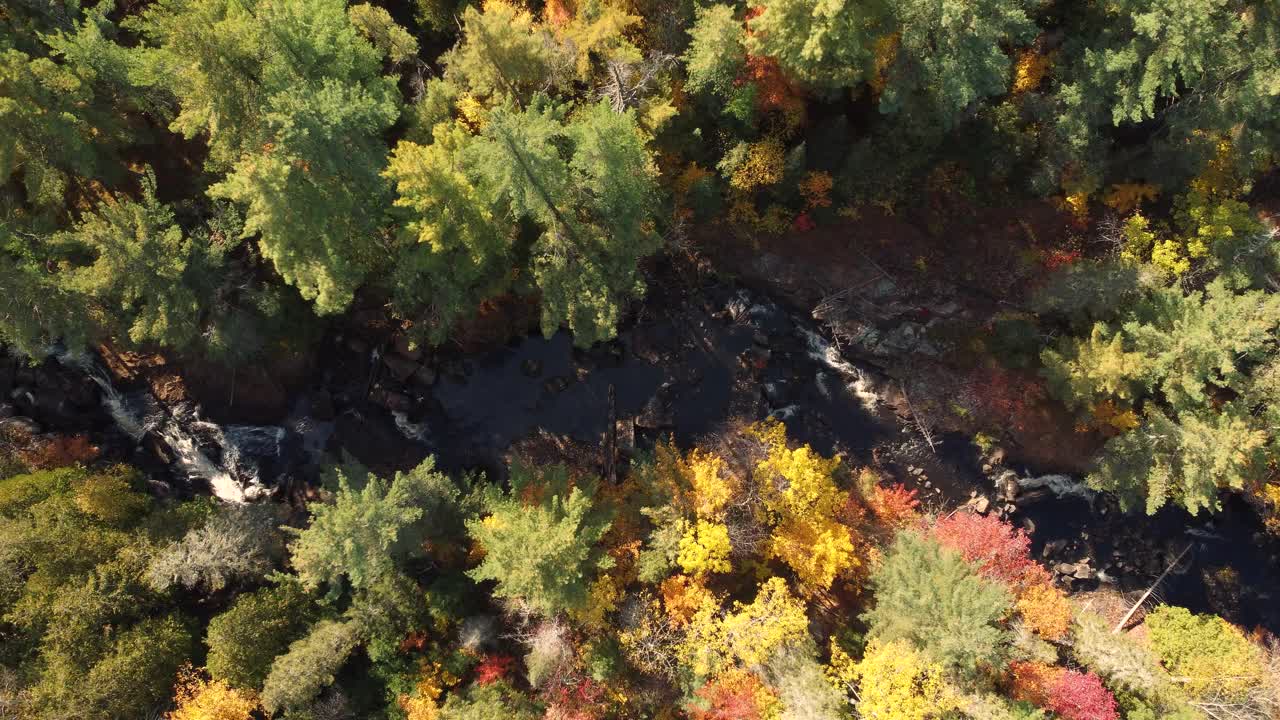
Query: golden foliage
896	682
690	176
1124	198
762	167
696	481
816	189
1077	203
198	698
749	635
800	493
423	703
705	549
1219	178
1046	610
885	50
602	599
1113	419
1029	70
682	596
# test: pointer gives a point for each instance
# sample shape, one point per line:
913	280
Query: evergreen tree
456	252
362	535
258	627
292	101
594	206
299	675
1176	356
135	265
717	52
503	54
930	597
543	553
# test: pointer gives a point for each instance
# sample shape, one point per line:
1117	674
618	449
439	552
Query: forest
652	359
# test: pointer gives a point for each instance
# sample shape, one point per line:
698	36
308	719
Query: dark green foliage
76	605
298	676
588	186
258	627
292	101
929	596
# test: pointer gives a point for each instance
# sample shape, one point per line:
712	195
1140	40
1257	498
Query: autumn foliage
1067	693
1001	552
735	695
198	698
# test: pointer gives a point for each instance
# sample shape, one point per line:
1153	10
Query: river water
684	366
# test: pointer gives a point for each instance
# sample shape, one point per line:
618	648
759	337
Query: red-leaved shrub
1069	694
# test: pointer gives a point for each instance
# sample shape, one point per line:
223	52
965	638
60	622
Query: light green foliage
1187	460
716	51
542	553
1244	251
482	702
363	533
802	688
503	54
594	205
1213	658
456	253
137	273
929	596
1127	665
828	43
258	627
377	26
1173	353
948	52
299	675
291	99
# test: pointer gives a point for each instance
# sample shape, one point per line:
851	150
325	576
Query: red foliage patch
494	668
1070	694
733	696
803	223
1058	257
581	700
999	550
1004	397
895	505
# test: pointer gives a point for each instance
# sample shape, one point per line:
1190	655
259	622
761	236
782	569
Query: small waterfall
1059	485
416	431
132	423
188	456
235	477
822	351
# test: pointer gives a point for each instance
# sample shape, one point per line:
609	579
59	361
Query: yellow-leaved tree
749	635
198	698
895	681
801	496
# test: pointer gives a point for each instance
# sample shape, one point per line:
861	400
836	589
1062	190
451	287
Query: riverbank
700	352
